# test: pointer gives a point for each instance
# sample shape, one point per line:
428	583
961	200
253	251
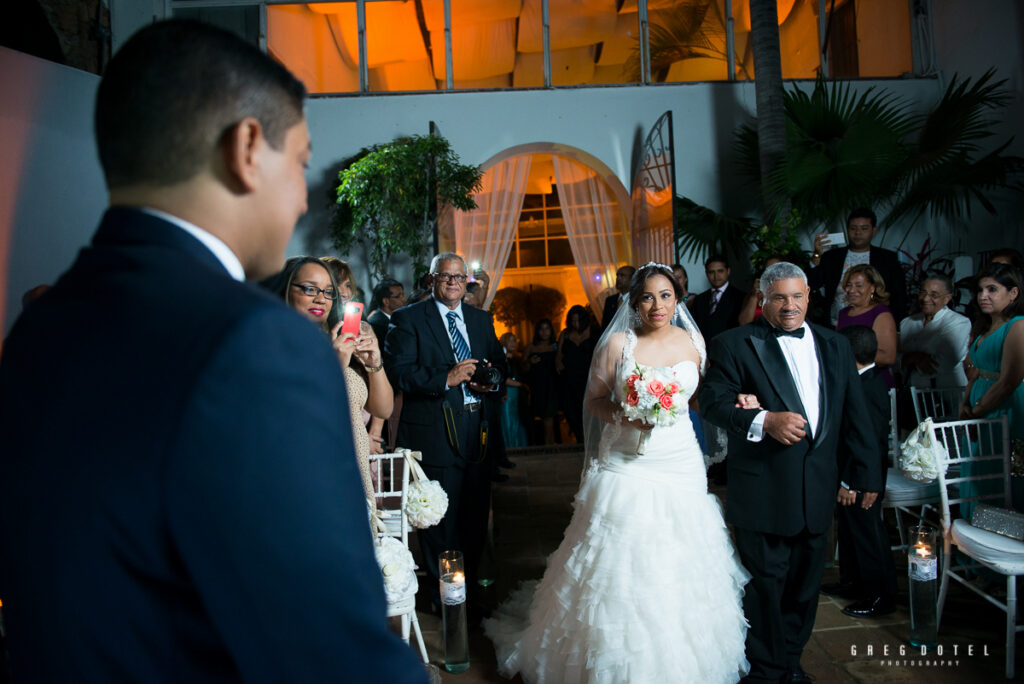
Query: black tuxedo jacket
179	494
876	398
379	321
418	355
774	488
726	314
830	270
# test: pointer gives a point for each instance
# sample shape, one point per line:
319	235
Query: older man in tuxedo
432	351
801	399
179	495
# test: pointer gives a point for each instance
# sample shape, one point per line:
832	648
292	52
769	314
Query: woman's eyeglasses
311	291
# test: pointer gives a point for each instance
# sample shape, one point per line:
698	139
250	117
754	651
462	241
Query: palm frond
701	231
683	32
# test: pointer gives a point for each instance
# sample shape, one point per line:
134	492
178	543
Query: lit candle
923	551
458	578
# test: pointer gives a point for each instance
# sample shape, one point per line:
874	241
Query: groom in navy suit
179	495
785	445
431	352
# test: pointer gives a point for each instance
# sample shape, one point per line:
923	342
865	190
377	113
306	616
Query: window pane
798	38
531	228
533	201
319	47
512	257
687	43
531	253
556	226
559	253
869	38
617	57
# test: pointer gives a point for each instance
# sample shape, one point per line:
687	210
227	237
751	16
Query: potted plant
389	194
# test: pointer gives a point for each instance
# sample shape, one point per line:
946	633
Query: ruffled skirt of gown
645	586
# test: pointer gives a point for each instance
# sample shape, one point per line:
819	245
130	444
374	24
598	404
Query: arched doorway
550	219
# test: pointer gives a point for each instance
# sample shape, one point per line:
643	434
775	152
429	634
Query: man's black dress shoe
874	608
846	590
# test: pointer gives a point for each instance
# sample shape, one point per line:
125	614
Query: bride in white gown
645	586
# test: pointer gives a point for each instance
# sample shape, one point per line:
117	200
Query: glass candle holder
453	611
923	572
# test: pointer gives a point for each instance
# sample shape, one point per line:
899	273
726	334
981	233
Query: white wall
51	187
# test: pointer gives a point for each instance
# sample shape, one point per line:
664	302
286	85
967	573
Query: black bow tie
798	333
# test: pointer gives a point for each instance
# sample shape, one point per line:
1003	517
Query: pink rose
666	401
656	388
671	388
631	383
632	398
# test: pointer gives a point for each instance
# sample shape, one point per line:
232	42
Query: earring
634	318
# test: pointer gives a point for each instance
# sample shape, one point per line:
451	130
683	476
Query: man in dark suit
788	393
179	498
432	350
387	296
717	309
828	266
866	570
623	277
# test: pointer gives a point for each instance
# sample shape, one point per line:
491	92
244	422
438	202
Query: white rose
425	503
397	568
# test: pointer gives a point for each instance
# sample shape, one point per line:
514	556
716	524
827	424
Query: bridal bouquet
654	397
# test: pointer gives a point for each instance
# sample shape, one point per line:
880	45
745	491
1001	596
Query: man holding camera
444	357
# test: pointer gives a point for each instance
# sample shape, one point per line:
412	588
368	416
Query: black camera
486	374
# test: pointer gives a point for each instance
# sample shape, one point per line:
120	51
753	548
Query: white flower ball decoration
396	567
425	503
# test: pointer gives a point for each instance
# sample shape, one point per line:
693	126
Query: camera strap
449	427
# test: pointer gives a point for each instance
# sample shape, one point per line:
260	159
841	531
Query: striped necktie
716	295
459	343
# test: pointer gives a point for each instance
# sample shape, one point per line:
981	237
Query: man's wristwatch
815	255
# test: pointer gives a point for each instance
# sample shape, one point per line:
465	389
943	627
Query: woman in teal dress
995	359
511	427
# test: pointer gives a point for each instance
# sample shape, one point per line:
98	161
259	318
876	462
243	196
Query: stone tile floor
533	507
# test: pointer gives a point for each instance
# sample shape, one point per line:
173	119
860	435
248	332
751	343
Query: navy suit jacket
830	270
774	488
179	494
418	355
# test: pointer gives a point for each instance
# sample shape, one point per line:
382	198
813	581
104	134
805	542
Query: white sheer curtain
486	233
595	224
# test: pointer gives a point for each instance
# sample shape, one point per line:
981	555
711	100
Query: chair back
979	463
941	404
894	431
390	484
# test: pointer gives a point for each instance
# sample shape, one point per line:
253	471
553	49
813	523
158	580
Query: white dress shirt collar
224	255
443	310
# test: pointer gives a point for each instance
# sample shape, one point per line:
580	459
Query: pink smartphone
353	317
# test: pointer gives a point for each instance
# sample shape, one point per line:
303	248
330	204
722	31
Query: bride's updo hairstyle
645	273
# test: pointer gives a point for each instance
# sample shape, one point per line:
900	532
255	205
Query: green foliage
700	232
778	239
513	306
845	151
389	195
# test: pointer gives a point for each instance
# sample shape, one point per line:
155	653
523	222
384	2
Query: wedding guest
867	297
829	265
572	361
1008	256
867	573
623	276
751	309
717	308
541	376
309	287
197	515
511	426
344	277
933	342
388	295
679	275
995	362
474	295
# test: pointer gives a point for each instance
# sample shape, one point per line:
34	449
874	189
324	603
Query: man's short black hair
381	291
863	212
863	341
716	257
174	90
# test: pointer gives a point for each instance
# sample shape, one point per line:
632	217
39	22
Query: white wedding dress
645	586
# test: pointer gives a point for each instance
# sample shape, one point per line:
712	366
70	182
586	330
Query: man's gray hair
938	277
782	270
447	256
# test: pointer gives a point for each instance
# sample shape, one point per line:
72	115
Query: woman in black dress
572	361
540	373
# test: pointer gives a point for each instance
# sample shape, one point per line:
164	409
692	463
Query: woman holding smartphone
309	287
